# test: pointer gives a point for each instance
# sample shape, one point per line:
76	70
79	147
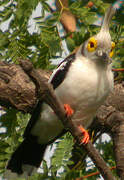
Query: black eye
91	44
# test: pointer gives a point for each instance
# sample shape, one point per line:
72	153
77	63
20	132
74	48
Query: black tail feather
29	152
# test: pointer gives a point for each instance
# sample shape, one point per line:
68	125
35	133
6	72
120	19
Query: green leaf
70	44
46	6
90	18
62	154
4	2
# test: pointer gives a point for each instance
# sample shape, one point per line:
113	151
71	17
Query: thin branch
118	70
94	174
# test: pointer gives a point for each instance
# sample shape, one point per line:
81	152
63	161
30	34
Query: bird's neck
101	64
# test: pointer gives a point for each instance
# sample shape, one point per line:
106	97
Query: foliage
60	159
40	47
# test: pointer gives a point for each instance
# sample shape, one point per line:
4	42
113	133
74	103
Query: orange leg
86	137
69	111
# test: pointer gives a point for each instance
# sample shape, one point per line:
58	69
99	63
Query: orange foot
86	137
69	111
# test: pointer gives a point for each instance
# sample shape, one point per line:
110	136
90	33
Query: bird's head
100	47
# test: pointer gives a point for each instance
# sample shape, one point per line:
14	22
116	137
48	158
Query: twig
118	70
95	173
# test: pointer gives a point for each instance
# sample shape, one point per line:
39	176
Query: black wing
60	73
35	115
56	79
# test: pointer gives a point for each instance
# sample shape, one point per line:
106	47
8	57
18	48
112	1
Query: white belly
84	91
48	126
89	89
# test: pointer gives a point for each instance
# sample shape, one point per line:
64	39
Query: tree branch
111	117
16	89
114	125
117	134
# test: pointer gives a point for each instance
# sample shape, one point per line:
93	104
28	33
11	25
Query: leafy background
41	46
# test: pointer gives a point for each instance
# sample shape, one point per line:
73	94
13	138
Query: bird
81	82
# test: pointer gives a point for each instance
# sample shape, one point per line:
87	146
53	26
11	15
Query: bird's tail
25	159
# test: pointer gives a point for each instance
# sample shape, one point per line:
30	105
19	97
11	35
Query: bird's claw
86	137
69	111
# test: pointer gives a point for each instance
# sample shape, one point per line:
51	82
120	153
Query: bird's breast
85	88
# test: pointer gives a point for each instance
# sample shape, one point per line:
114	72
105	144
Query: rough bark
16	88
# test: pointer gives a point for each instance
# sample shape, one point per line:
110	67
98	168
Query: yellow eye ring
92	44
112	49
